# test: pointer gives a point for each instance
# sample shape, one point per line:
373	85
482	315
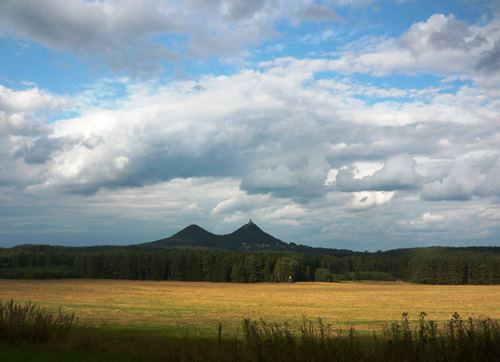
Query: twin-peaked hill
247	237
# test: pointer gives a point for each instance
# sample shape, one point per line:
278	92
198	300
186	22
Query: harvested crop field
166	306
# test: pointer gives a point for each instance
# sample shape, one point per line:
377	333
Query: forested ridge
433	265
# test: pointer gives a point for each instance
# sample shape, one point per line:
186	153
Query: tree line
422	265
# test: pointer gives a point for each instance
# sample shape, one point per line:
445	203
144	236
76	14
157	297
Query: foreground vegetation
472	265
455	340
32	323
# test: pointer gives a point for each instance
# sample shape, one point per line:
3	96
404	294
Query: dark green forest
435	265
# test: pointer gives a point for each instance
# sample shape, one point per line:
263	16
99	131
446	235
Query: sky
355	124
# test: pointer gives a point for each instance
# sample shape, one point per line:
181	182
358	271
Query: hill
248	237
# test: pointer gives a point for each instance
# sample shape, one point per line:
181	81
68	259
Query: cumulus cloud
398	173
277	129
116	30
302	176
240	202
24	135
429	223
461	223
286	142
29	100
265	207
367	199
490	62
128	35
40	149
441	45
473	174
18	109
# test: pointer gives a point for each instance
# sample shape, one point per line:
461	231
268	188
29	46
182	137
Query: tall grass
31	323
456	340
260	341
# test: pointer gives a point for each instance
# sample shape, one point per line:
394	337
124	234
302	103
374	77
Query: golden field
164	306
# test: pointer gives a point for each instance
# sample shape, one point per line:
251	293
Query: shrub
323	275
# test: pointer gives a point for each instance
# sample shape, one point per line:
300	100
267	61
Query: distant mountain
248	237
195	235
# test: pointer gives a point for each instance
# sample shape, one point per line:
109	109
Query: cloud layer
127	35
299	144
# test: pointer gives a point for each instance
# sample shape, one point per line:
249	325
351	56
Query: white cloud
367	199
121	162
131	35
363	169
165	199
278	130
441	45
432	218
331	176
29	100
426	220
398	173
473	174
461	223
240	202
